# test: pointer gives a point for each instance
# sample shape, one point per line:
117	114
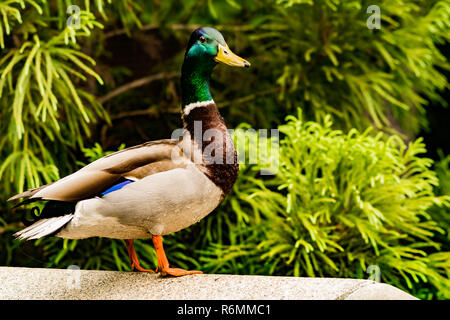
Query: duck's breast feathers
132	163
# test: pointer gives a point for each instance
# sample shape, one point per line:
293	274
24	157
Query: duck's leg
163	263
133	257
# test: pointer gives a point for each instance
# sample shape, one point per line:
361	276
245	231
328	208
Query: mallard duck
158	187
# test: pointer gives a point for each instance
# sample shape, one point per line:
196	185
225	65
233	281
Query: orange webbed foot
178	272
163	263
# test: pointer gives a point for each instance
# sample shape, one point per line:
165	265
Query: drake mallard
155	188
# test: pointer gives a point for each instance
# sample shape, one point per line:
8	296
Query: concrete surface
70	284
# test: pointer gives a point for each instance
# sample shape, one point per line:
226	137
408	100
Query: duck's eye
202	39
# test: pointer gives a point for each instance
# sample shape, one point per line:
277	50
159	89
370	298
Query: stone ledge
66	284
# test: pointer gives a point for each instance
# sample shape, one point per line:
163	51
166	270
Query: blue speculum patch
116	187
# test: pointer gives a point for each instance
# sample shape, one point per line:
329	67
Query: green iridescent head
205	49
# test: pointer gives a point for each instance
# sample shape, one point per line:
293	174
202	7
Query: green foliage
443	173
442	217
38	89
331	62
339	203
439	214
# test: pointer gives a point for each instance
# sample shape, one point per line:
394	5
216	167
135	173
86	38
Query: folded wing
132	163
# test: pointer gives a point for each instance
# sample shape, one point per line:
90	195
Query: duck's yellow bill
226	56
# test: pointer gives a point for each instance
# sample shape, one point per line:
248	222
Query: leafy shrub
338	204
39	78
327	60
441	215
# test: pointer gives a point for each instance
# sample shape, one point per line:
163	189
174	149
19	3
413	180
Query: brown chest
219	157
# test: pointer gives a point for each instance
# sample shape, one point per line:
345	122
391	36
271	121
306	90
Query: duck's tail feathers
43	227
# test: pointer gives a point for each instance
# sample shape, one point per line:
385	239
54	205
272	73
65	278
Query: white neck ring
187	109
